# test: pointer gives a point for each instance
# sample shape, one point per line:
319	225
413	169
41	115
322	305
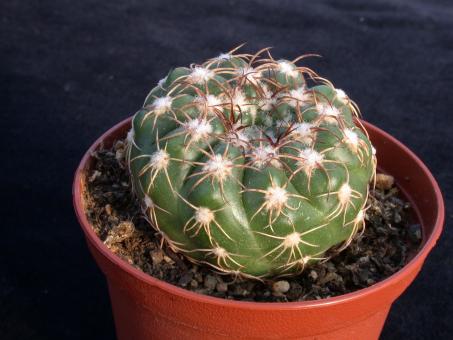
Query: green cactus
251	165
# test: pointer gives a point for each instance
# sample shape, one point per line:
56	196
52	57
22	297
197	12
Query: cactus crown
252	165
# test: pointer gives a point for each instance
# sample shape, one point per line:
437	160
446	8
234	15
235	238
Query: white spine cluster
200	75
269	100
223	56
237	138
212	100
198	129
344	194
130	136
342	96
299	96
204	216
328	112
275	198
161	82
148	202
219	252
310	159
263	155
288	68
360	218
219	167
249	73
303	132
162	105
291	240
159	160
242	104
351	139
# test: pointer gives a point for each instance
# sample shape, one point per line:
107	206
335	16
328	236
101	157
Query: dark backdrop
71	69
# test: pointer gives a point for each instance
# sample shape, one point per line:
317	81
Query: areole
147	308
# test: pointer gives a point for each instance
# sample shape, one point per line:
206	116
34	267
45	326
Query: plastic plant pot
147	308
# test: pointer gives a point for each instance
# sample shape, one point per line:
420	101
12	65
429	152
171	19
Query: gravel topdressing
386	245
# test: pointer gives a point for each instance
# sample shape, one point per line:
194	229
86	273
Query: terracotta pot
146	308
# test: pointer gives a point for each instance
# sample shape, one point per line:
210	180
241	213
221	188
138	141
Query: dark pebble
185	279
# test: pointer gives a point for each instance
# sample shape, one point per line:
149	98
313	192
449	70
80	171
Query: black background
71	69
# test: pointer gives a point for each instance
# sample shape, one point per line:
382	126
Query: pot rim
196	297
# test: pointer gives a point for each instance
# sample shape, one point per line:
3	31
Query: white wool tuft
288	68
204	216
276	197
161	82
162	104
299	96
212	100
148	202
292	240
269	100
302	131
130	135
219	167
310	158
262	155
159	159
224	56
351	137
325	109
250	73
198	128
201	75
344	194
219	252
341	95
360	216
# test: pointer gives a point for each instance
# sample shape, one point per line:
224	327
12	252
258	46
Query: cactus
252	165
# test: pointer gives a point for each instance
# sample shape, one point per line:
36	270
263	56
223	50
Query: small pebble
384	182
415	232
280	287
193	284
119	155
221	287
330	267
120	232
108	209
295	291
370	282
364	275
199	277
313	275
240	291
185	279
168	259
210	282
363	259
94	176
329	277
157	257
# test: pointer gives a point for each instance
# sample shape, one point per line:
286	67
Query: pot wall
146	308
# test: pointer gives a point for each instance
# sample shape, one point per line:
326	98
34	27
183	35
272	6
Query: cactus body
253	166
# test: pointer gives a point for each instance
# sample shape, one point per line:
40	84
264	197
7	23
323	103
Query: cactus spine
252	165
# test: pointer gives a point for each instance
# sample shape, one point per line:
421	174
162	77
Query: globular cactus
251	165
